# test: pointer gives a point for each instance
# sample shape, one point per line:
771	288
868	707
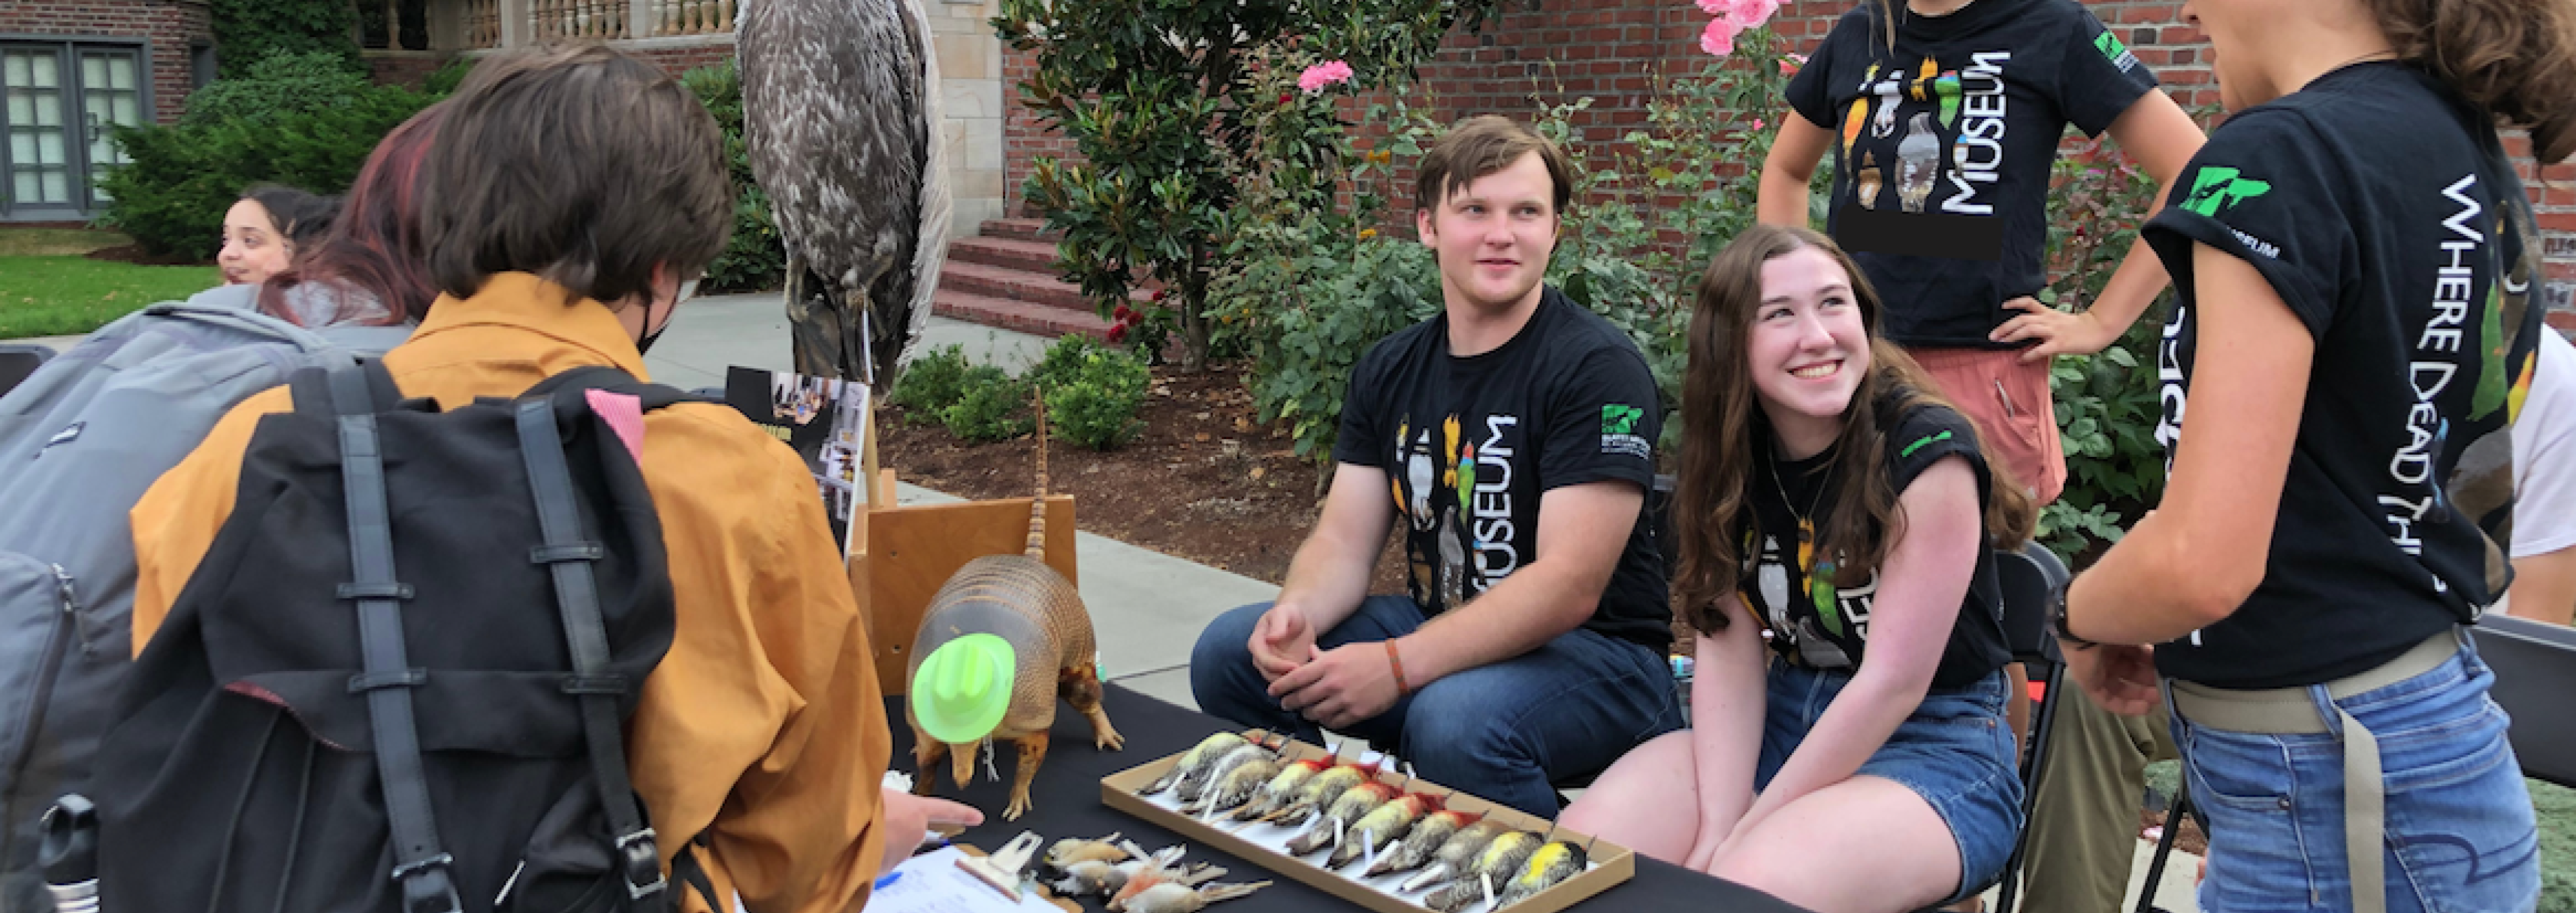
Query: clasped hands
1334	688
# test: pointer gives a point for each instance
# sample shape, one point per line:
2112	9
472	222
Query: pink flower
1323	74
1757	123
1750	14
1714	7
1719	39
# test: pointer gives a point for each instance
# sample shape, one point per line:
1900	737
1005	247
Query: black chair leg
2164	848
2033	767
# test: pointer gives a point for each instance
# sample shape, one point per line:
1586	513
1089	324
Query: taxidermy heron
840	111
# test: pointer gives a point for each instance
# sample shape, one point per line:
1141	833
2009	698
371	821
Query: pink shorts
2015	416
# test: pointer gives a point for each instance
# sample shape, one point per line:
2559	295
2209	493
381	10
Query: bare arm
2162	138
2544	587
1728	701
1330	574
1781	199
2196	558
1921	587
1585	528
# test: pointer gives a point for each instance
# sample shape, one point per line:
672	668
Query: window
59	105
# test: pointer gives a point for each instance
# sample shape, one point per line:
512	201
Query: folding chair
2535	669
2031	578
19	359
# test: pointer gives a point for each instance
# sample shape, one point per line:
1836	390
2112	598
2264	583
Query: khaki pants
2084	826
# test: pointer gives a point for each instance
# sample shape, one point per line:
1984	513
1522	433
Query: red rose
1158	294
1121	313
1118	334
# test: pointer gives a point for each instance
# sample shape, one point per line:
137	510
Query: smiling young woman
1829	495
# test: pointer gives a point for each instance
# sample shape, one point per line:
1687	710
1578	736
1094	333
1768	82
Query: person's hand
910	818
1281	642
2120	677
1340	686
2058	332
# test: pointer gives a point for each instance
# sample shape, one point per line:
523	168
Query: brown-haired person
1514	435
1830	496
568	198
2354	342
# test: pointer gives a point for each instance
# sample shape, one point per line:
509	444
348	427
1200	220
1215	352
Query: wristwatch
2057	623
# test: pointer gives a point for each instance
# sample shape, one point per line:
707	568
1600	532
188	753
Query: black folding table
1065	802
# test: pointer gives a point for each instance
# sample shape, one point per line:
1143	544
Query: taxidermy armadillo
1025	602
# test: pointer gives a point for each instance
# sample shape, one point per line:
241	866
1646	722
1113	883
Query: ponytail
2515	58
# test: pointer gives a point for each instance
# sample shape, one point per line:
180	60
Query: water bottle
69	854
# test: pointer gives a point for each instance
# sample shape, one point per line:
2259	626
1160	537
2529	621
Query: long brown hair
2515	58
1719	414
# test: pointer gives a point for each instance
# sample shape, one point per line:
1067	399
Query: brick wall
169	25
404	68
678	55
1610	50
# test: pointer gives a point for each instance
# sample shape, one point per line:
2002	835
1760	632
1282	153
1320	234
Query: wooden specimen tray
1611	864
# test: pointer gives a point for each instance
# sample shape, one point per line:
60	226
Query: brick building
69	69
1611	50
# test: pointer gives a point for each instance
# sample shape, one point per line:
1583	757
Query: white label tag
1368	847
1487	878
1337	832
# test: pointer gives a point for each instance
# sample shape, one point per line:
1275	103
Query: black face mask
645	343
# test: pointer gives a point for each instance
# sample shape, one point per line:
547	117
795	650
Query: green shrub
1093	392
249	31
279	84
930	384
444	80
754	258
172	196
991	406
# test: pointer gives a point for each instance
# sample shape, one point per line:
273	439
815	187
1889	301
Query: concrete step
1010	253
1018	230
1013	285
1017	316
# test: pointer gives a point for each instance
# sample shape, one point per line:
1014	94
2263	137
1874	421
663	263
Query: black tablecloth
1065	802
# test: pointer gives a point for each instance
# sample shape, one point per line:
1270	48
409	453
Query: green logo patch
2218	188
1926	441
1618	419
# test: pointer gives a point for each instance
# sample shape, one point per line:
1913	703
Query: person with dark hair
1831	498
1515	432
2343	375
370	268
570	197
266	227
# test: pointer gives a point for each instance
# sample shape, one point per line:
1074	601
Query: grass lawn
65	294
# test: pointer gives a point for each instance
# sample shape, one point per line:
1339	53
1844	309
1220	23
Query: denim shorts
1955	751
2458	827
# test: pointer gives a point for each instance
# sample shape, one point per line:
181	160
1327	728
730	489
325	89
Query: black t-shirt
1942	148
1472	443
2365	201
1819	625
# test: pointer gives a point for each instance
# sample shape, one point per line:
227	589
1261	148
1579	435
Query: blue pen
887	880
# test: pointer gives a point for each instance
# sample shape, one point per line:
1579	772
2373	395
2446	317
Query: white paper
932	883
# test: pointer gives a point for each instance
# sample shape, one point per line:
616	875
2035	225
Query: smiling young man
1513	435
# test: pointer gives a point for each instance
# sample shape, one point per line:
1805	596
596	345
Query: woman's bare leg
1808	852
1647	802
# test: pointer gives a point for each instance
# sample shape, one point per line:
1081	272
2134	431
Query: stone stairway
1004	277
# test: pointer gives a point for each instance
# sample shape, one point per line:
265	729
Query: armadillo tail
1037	505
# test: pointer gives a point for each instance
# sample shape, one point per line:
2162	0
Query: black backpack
407	611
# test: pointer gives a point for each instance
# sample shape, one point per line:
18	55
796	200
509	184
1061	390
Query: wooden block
913	550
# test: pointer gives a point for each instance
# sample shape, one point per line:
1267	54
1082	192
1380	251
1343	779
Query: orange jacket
763	728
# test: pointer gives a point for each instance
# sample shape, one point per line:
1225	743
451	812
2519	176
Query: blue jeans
1953	750
2459	829
1505	731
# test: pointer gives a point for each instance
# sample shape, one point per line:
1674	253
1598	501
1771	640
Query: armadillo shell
1026	603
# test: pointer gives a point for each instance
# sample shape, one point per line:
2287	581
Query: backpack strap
387	677
567	556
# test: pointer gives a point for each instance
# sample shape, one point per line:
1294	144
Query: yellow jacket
763	728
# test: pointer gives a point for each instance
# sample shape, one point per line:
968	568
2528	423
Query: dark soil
2192	840
134	253
1207	481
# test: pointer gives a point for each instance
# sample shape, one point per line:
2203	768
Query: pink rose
1323	74
1757	123
1749	14
1714	7
1719	39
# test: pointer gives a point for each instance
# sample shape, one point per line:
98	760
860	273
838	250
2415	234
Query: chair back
2031	577
2535	671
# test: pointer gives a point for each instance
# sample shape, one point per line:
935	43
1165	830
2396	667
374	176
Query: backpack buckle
425	886
643	864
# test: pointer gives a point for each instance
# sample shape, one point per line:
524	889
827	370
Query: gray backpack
80	441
